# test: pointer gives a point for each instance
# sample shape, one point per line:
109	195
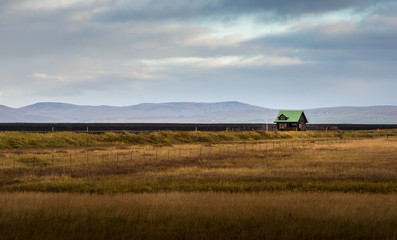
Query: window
282	117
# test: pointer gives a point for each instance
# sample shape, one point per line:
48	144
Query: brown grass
198	216
336	189
363	166
21	158
17	140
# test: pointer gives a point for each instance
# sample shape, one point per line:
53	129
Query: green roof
292	116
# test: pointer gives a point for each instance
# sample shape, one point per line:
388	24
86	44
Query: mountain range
190	112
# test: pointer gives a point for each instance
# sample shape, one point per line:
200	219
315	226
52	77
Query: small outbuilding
291	121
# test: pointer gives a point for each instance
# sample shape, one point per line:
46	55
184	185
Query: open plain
199	185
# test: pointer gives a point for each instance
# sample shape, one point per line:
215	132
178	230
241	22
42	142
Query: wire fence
155	153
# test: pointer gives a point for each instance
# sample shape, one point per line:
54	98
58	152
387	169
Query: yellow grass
361	166
198	216
33	157
332	189
17	140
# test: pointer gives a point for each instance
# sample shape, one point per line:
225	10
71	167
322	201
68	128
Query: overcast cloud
271	53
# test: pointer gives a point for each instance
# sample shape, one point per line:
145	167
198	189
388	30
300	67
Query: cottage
291	121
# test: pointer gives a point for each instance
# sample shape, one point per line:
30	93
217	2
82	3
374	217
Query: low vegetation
14	140
359	166
289	186
198	216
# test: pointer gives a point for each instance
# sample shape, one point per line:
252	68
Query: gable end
283	117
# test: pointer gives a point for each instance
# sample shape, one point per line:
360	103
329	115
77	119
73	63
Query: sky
295	54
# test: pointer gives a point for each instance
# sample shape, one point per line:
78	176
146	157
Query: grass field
239	189
16	140
198	216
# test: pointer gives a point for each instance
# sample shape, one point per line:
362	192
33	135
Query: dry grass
362	166
198	216
34	157
17	140
333	189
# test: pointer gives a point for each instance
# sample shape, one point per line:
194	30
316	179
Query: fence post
131	155
156	156
103	156
87	158
34	161
52	158
190	153
14	163
70	160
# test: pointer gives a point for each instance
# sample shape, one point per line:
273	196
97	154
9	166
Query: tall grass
14	140
328	190
43	157
363	166
198	216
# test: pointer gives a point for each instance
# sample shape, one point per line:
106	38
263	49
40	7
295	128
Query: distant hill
189	112
365	115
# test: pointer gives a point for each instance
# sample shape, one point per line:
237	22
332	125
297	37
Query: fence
72	157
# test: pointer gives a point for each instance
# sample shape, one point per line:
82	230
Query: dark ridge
153	127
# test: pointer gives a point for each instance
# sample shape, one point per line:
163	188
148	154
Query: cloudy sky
271	53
